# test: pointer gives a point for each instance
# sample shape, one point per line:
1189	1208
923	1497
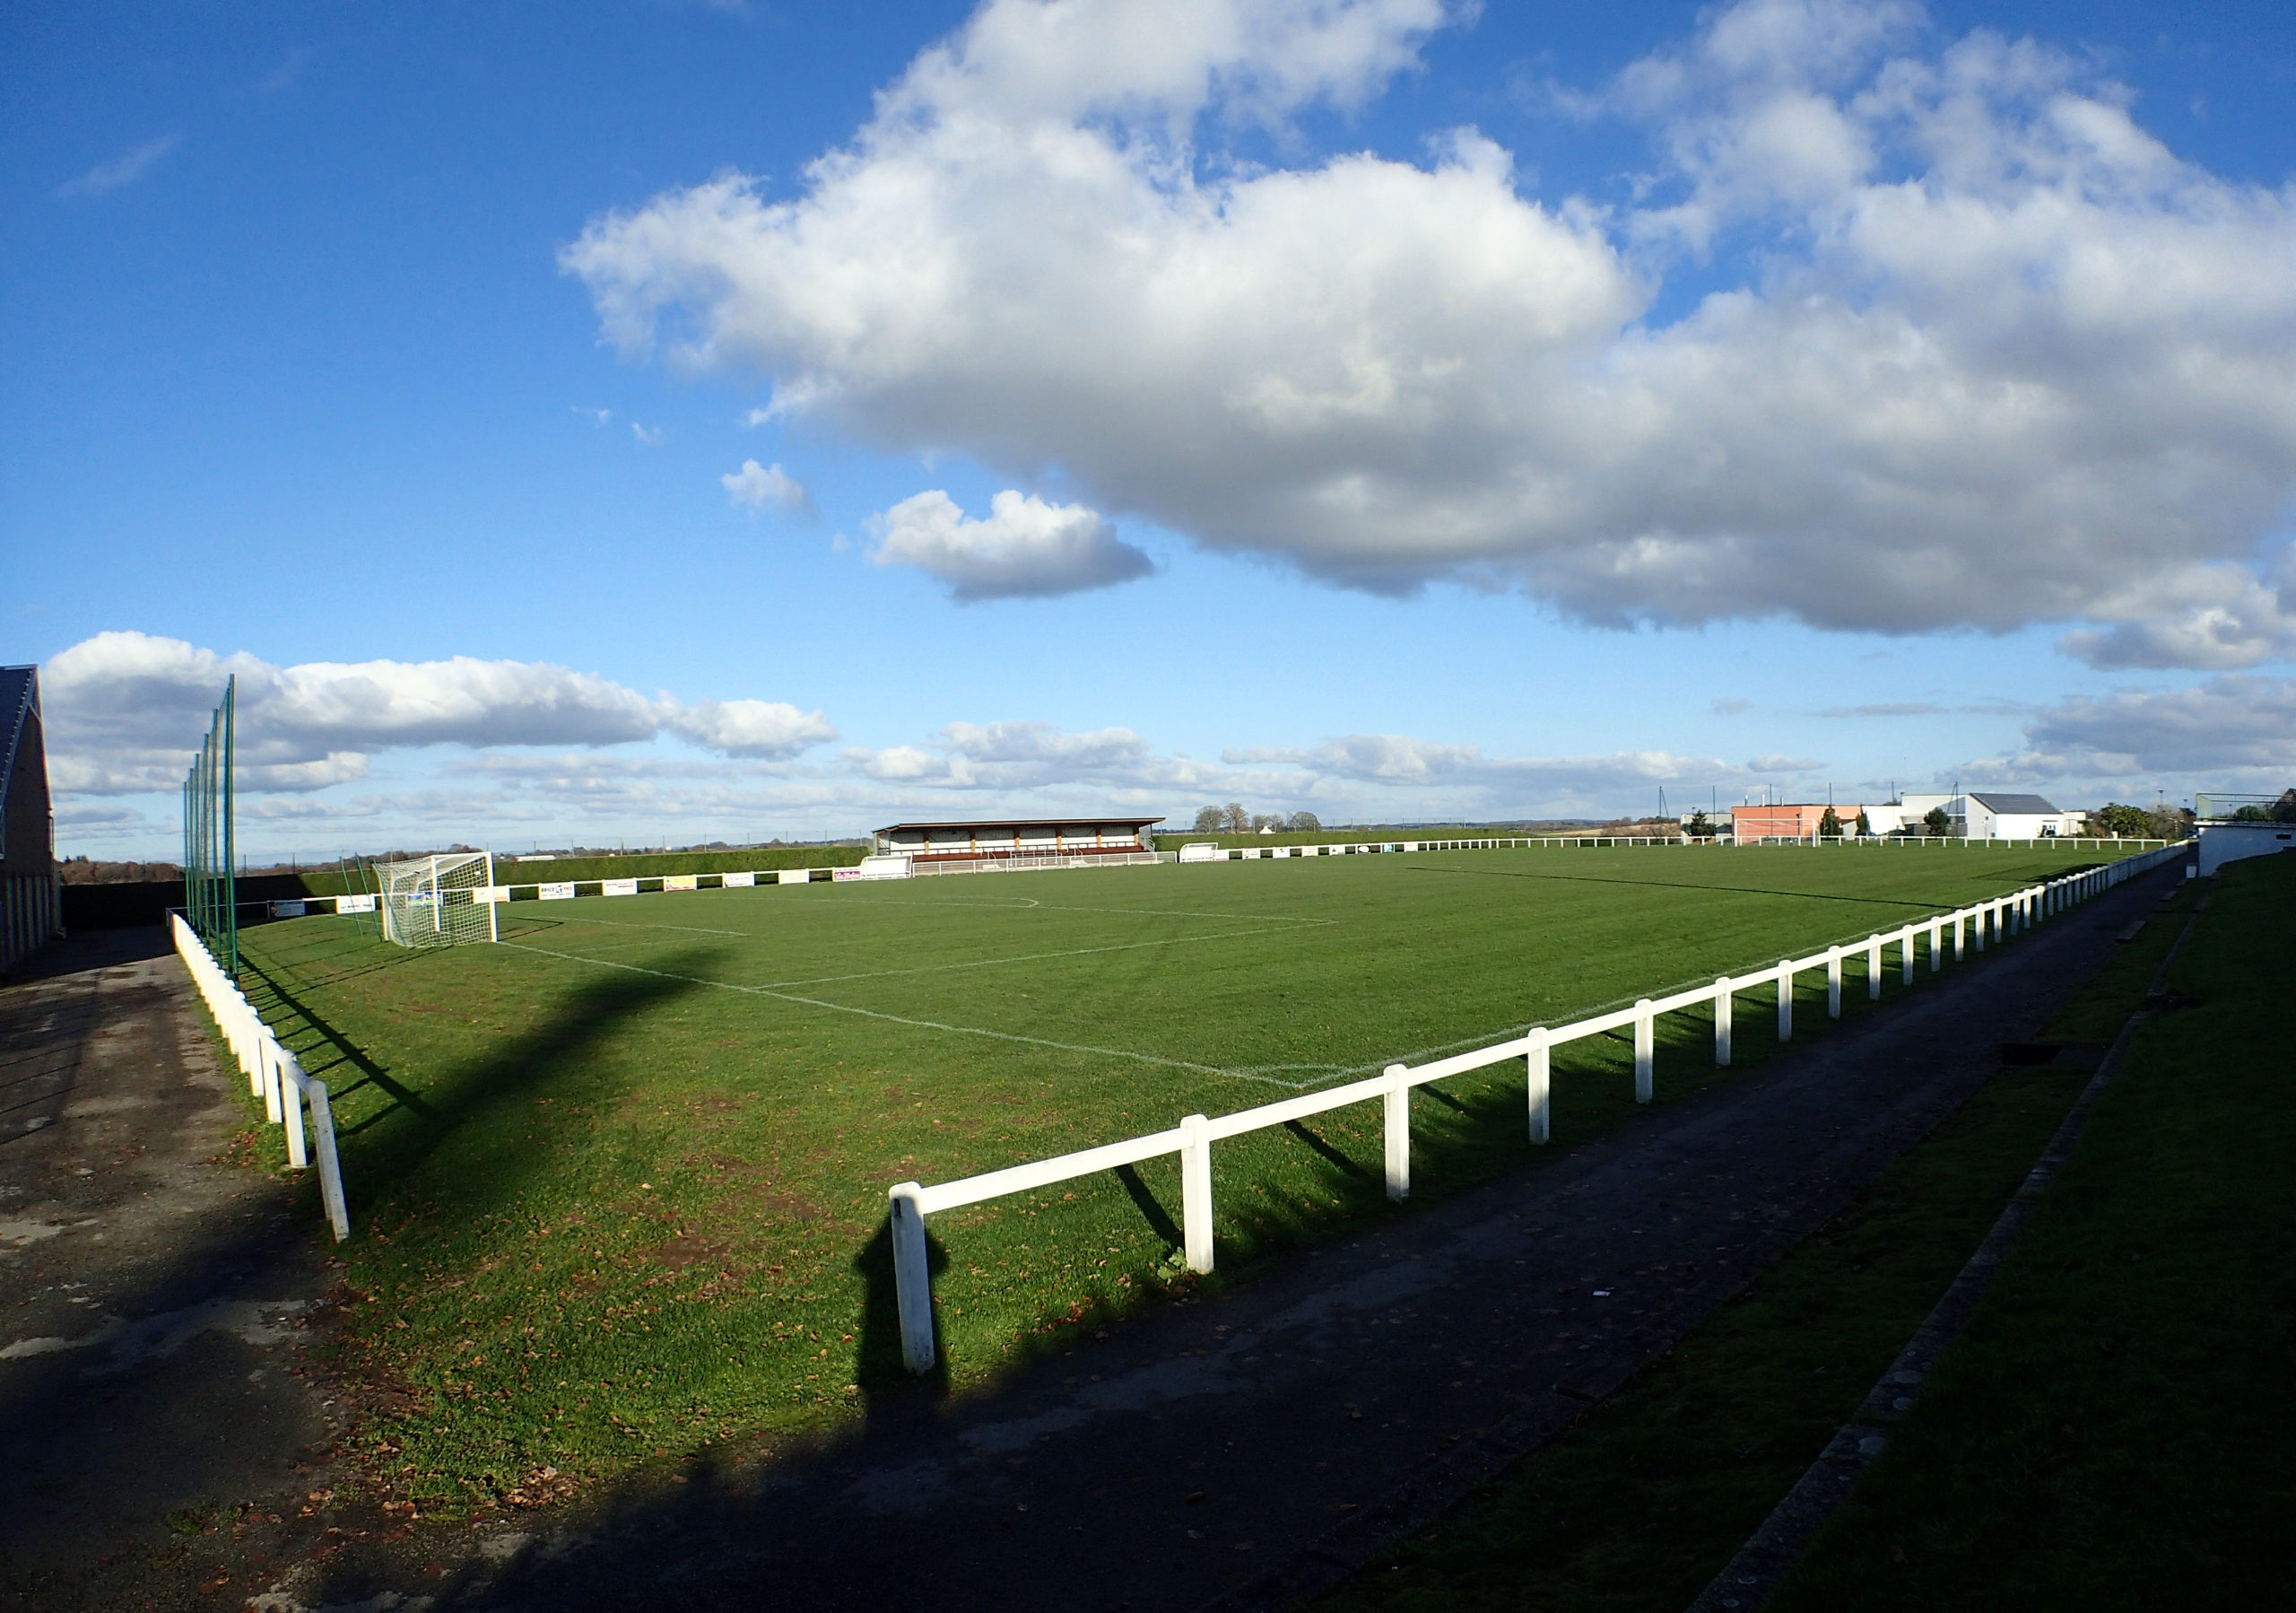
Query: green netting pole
231	891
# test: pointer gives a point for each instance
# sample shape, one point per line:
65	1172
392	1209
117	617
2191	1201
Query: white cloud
122	170
126	713
1352	776
1025	549
647	436
1773	763
766	487
2232	730
2007	360
595	417
749	727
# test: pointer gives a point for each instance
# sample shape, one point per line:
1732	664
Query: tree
1829	825
2168	823
2116	818
1938	822
1266	823
2284	810
1701	826
1208	820
1865	824
1307	823
1240	822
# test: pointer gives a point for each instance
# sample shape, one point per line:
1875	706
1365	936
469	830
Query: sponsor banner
289	910
562	891
735	882
795	877
681	881
491	893
620	887
354	904
1411	845
841	875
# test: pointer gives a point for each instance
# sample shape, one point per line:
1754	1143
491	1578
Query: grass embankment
2116	1426
619	1184
1640	1505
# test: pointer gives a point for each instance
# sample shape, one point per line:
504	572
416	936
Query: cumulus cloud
2006	359
766	487
126	712
2232	730
1025	549
1773	763
122	170
1352	775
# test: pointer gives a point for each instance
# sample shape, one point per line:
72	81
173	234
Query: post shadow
888	1387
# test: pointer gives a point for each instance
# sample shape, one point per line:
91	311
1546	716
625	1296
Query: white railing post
1976	926
1538	1081
338	1213
1396	1103
291	1108
1960	941
1937	945
1833	982
1645	1040
912	1278
1195	1192
267	1053
1873	968
1786	1000
1722	1005
1905	956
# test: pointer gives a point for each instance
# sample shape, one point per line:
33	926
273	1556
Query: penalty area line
924	1024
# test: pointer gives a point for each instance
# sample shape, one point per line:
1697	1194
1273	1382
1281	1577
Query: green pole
231	839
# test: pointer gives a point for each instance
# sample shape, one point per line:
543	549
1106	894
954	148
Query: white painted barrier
273	1072
911	1202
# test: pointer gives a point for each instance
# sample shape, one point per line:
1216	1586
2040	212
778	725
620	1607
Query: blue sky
657	422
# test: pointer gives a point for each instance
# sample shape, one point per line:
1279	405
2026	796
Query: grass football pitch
620	1181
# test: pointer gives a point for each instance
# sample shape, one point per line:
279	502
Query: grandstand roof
1131	822
2019	806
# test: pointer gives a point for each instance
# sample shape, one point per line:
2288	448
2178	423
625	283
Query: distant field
621	1178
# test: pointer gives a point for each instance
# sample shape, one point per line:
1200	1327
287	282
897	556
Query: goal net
434	901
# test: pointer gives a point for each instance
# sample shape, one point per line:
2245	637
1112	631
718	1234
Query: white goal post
434	901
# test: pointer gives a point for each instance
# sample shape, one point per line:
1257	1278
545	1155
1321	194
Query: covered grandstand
988	844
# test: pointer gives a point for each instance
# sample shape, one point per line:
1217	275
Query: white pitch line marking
927	1025
1028	957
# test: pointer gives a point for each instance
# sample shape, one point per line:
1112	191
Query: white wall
2220	843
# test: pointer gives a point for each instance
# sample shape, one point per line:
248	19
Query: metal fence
2001	916
210	850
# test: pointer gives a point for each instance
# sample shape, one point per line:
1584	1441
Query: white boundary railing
911	1202
1209	852
271	1070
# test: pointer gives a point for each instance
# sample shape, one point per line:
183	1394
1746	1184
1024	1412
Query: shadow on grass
466	1092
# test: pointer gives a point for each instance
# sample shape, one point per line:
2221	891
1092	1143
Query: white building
1975	815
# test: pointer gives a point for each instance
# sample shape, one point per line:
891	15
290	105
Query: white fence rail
1990	921
272	1071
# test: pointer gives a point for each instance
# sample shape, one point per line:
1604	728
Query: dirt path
154	1411
1248	1450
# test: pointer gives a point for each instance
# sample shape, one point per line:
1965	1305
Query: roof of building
19	699
2012	806
1110	821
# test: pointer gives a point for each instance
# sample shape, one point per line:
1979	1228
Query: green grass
2115	1427
621	1183
1639	1506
